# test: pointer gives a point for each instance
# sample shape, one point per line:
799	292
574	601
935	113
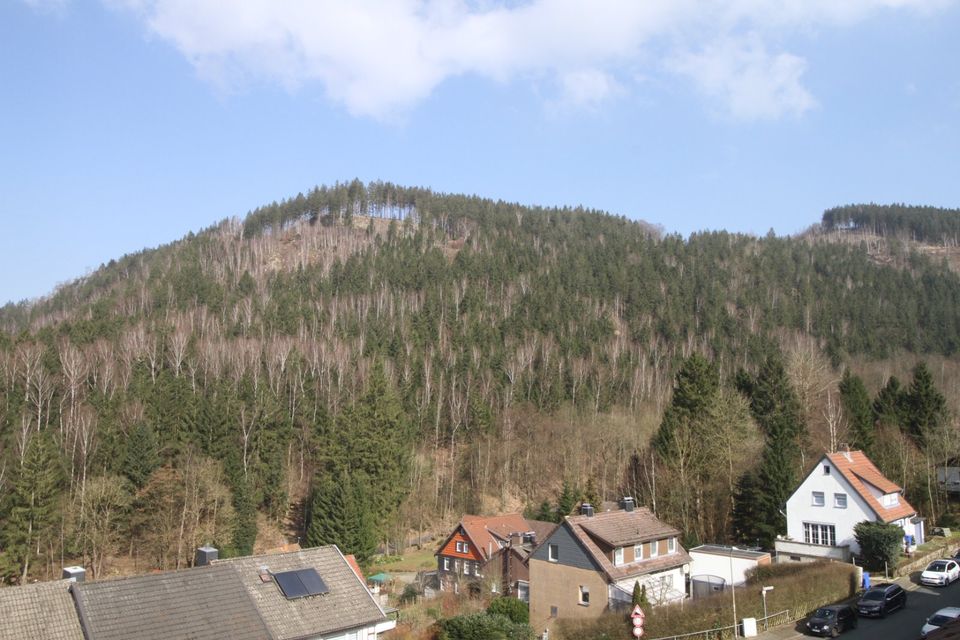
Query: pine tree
776	409
32	504
856	406
245	523
341	514
566	501
926	408
142	457
889	407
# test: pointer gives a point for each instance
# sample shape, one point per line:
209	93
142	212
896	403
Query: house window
891	499
584	595
466	568
826	469
825	534
554	611
654	548
462	547
671	545
637	552
446	564
840	500
818	499
523	590
553	553
618	556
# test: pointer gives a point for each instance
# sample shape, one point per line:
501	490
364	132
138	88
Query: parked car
940	618
833	620
940	572
881	599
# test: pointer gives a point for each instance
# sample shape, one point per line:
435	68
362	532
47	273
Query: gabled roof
488	533
205	603
43	610
346	606
627	528
857	469
620	528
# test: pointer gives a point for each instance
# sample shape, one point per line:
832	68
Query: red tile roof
487	533
352	561
859	471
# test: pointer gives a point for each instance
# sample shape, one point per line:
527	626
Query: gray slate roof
348	605
41	611
205	603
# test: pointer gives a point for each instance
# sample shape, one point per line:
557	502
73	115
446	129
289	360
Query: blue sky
125	124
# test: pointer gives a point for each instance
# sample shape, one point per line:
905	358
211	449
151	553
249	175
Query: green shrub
880	543
483	626
513	608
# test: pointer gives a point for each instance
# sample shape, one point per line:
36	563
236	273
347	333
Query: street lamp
763	592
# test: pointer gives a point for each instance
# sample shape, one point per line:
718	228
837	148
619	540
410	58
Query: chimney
205	555
628	503
76	574
586	509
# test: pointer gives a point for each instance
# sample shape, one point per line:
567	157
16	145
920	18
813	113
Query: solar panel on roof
301	583
313	582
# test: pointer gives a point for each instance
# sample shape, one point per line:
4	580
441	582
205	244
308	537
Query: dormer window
891	499
654	548
671	545
618	556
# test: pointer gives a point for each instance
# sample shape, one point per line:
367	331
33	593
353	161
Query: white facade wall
712	564
800	507
657	591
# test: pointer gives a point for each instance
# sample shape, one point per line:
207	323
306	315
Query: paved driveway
903	624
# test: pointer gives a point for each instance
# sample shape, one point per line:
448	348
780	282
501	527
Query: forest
362	364
931	225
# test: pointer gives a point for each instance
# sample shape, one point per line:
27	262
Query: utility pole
733	594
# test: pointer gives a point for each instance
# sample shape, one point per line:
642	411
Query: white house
842	490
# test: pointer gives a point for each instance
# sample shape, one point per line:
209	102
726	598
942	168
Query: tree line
397	351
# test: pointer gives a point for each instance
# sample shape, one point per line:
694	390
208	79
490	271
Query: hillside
445	353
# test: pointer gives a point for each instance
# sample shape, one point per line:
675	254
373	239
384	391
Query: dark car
881	599
833	620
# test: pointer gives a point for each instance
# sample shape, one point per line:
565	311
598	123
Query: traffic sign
638	632
638	622
638	612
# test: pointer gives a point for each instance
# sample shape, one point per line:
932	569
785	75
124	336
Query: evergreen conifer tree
889	407
776	409
859	412
142	456
32	504
926	408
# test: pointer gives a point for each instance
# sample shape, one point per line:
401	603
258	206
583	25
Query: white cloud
380	58
751	82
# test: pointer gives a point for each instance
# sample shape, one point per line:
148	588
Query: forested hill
930	225
439	350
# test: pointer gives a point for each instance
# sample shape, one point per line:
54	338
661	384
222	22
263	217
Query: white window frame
655	548
840	500
583	597
618	556
638	552
818	499
553	553
446	564
820	534
671	545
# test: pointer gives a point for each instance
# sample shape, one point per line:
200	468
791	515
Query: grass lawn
413	560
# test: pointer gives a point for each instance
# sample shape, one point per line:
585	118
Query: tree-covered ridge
932	225
235	371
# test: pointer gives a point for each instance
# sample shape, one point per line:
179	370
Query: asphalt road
905	623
